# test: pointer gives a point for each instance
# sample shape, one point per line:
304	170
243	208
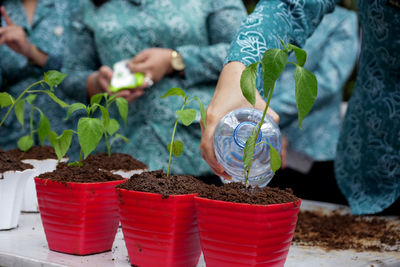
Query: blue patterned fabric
368	154
331	56
200	30
48	34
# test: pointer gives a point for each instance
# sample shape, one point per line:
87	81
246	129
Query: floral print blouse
367	164
119	29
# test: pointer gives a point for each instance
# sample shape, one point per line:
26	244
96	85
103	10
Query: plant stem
259	129
107	144
31	121
16	101
172	140
80	157
171	147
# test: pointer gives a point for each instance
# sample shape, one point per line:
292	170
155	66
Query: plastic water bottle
230	138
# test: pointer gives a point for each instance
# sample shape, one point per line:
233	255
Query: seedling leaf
122	137
105	116
20	110
306	91
301	55
248	83
203	113
122	105
96	99
30	98
90	131
275	158
53	78
113	127
6	100
175	91
25	143
273	63
74	107
56	99
61	143
177	148
43	129
186	116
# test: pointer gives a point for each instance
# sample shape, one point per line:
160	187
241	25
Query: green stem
80	157
172	141
171	147
31	121
107	144
16	101
259	129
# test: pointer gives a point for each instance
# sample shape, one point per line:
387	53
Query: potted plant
157	210
77	201
42	158
13	177
117	163
240	231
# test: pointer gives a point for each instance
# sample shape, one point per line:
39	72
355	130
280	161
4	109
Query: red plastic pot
78	218
157	231
233	234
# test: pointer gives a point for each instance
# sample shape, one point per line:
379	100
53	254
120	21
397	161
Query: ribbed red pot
78	218
233	234
159	231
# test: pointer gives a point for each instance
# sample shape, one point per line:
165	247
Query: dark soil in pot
239	193
84	174
36	152
117	161
8	162
345	231
158	182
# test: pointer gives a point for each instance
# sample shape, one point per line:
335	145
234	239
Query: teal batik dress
368	153
119	29
48	33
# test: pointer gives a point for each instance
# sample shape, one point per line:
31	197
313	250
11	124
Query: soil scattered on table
239	193
344	231
117	161
36	152
84	174
10	163
158	182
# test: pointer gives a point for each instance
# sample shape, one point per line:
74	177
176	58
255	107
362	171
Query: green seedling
186	117
52	79
306	87
90	130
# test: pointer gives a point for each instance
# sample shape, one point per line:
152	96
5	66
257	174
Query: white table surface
26	246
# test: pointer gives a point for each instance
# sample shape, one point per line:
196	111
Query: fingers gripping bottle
230	138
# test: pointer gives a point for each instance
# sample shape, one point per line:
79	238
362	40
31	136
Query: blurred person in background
32	41
175	44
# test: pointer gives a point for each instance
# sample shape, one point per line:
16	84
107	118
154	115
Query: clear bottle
230	138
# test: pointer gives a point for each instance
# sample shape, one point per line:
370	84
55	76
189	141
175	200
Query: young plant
52	79
306	87
186	117
90	129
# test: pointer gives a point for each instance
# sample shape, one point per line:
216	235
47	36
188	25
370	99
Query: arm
223	21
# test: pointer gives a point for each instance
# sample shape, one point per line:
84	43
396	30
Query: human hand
227	97
14	36
155	63
99	81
